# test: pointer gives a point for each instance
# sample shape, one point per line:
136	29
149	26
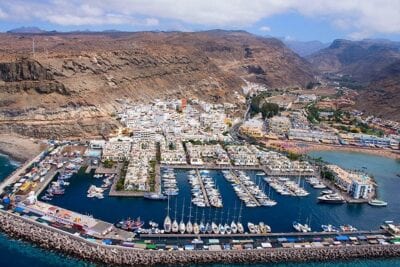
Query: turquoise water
18	253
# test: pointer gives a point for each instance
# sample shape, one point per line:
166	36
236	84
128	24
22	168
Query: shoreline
56	240
305	148
19	148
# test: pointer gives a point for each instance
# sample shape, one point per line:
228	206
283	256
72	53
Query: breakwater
58	240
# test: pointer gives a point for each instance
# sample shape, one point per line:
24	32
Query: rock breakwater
55	239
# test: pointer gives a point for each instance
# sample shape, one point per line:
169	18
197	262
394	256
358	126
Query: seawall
54	239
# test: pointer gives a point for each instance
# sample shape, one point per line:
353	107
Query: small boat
251	227
240	228
202	228
329	228
221	229
175	227
46	198
331	199
196	228
155	196
234	227
209	229
347	228
130	225
377	203
215	228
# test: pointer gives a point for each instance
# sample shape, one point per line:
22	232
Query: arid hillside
74	82
372	65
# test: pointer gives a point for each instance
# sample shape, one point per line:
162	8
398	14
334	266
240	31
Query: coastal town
160	141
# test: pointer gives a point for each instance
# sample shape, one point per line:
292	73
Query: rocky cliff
73	83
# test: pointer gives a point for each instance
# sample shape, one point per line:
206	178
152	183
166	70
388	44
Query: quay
239	168
266	235
92	250
250	194
207	202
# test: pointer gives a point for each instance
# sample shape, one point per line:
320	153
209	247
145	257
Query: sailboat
234	228
175	225
196	228
239	224
182	225
214	225
202	226
228	229
189	226
221	225
167	221
209	224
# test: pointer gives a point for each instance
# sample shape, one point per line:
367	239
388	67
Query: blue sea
19	253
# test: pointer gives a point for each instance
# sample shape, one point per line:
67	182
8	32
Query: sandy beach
19	148
304	147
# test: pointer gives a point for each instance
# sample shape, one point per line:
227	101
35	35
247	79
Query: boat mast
183	210
190	212
234	212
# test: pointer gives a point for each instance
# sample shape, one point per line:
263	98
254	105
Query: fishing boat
377	203
154	196
347	228
130	225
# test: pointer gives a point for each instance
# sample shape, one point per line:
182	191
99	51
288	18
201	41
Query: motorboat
377	203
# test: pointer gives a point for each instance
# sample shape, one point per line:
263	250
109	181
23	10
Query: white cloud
358	17
265	29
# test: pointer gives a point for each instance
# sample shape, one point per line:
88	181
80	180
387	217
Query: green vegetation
121	182
108	164
269	110
313	114
152	175
326	174
256	101
311	85
158	152
293	156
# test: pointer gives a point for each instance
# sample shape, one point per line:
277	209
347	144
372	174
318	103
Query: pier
207	202
245	188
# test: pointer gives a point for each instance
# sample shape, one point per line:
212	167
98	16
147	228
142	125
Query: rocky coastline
54	239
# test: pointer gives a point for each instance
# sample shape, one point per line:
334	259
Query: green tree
269	110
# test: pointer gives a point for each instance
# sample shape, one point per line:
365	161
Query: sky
302	20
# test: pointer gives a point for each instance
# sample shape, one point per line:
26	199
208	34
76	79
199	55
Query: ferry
154	196
377	203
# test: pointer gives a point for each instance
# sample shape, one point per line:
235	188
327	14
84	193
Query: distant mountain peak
26	30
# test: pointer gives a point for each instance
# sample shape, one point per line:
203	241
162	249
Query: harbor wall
55	239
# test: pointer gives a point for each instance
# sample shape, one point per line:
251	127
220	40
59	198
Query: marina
225	229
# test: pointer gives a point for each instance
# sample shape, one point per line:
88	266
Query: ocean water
19	253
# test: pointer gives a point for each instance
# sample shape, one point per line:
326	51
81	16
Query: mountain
75	82
370	64
27	30
305	48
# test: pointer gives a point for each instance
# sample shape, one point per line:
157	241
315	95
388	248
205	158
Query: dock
207	202
271	235
245	188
